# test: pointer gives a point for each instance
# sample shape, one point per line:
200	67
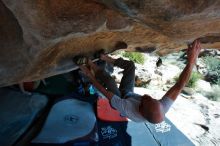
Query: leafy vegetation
213	66
193	79
195	76
134	56
215	94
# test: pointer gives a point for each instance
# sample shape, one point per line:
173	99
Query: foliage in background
213	66
195	76
215	94
134	56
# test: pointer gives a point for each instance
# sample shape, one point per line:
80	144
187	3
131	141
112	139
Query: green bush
215	94
213	66
134	56
195	76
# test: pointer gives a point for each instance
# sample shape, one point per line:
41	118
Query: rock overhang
39	38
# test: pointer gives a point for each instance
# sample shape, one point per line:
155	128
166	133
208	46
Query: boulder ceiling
38	38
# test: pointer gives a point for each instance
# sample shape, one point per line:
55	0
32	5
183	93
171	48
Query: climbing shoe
80	60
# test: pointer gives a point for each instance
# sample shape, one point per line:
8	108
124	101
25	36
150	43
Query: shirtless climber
135	107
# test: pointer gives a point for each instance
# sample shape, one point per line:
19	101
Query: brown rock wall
38	38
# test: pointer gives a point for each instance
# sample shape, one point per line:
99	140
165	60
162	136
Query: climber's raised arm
171	95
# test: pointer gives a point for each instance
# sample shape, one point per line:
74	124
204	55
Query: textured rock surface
38	38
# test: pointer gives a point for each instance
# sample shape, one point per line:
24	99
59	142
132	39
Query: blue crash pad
163	134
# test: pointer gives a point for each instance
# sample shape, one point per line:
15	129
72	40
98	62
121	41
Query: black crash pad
17	112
